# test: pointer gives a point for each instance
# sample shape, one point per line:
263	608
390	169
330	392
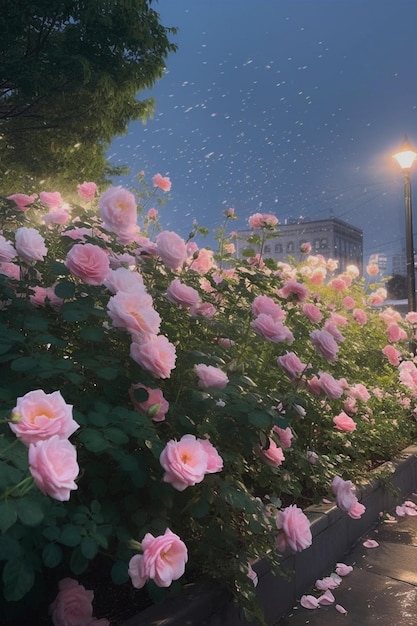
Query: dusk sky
291	107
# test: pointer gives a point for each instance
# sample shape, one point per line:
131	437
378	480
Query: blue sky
291	107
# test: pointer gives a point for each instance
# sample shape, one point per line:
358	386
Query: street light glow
406	156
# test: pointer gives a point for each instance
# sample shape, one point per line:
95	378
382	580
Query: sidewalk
382	588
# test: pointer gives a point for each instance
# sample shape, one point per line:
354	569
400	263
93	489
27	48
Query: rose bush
172	407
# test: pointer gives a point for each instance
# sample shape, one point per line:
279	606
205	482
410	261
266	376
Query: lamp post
405	158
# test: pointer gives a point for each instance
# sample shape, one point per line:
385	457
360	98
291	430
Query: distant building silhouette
331	237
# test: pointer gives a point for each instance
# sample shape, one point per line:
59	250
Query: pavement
381	590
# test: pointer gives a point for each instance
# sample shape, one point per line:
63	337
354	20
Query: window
278	248
290	246
323	243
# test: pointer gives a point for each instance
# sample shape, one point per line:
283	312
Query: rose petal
341	609
411	504
342	569
329	582
399	510
370	543
309	602
327	598
409	511
326	501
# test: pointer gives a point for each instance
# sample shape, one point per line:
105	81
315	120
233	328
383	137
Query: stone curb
204	603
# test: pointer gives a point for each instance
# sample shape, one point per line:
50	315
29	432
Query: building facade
331	237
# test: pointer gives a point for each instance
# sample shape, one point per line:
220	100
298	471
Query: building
331	237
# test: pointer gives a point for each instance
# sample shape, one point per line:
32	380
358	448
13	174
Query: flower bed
199	401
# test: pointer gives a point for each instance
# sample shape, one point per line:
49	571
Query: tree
70	72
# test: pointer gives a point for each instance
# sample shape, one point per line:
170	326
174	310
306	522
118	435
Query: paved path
382	588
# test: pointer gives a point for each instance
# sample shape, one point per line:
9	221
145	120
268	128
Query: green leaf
200	508
65	289
107	373
52	533
78	562
35	322
91	333
93	440
115	435
30	511
59	269
119	574
24	364
89	547
261	419
72	312
8	514
70	535
18	578
52	555
10	548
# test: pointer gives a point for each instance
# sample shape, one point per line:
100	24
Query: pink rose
294	528
134	312
210	377
291	364
305	247
272	331
172	249
332	328
163	560
87	191
214	460
203	309
263	220
30	245
7	251
356	510
39	415
57	216
45	295
274	455
22	201
155	406
395	333
330	386
11	270
88	262
359	392
162	182
294	289
182	294
325	344
349	302
124	279
118	211
312	312
51	199
344	423
285	436
155	354
360	316
185	462
343	491
411	317
152	214
53	465
390	316
265	304
73	604
203	262
393	355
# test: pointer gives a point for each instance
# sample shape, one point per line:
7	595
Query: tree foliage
70	72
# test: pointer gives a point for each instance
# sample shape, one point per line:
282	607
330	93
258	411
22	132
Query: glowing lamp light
406	156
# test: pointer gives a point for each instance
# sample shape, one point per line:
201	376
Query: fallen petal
341	609
309	602
326	501
409	511
399	510
326	583
370	543
327	598
411	504
342	569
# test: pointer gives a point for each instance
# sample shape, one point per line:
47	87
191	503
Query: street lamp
405	158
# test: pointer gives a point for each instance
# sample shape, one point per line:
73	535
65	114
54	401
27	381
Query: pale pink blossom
330	386
22	200
338	320
225	342
51	199
325	344
353	271
53	465
360	316
370	543
274	455
182	294
375	299
45	295
78	233
73	604
318	275
29	244
152	214
411	317
313	385
124	279
156	354
172	249
162	182
390	316
395	333
38	416
230	212
338	284
214	460
285	436
265	304
87	190
229	248
291	364
332	265
312	457
134	312
356	510
12	270
343	491
372	269
210	377
88	262
312	312
262	220
118	211
185	462
344	423
203	309
156	406
305	247
7	251
265	326
331	328
408	375
203	262
350	406
163	560
294	529
59	216
349	302
294	289
359	392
